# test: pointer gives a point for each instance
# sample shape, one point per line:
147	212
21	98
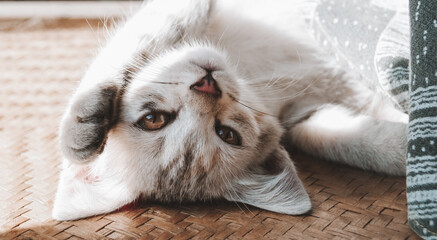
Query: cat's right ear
85	125
273	186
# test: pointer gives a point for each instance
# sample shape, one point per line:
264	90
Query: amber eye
154	120
228	135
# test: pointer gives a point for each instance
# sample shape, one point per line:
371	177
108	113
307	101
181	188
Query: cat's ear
273	186
165	23
85	125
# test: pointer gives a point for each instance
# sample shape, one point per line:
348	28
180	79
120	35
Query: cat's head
187	128
180	124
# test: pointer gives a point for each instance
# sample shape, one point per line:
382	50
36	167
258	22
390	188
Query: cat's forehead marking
129	72
238	118
175	178
144	56
137	62
151	99
148	105
186	175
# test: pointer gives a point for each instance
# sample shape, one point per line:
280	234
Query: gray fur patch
181	180
84	131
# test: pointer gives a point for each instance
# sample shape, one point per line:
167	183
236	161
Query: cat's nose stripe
207	85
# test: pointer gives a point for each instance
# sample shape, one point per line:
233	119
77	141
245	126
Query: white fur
265	60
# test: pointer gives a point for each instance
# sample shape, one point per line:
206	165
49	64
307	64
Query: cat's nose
207	85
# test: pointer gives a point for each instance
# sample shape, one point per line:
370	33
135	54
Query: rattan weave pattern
39	68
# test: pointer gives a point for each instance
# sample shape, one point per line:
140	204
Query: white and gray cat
190	99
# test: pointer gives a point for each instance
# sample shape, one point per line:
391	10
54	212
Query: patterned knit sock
422	145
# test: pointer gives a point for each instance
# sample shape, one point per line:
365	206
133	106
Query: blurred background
76	9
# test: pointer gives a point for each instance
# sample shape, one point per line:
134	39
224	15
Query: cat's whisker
222	35
105	25
234	192
274	91
107	32
279	88
272	80
253	109
293	119
275	81
229	187
298	55
285	98
169	83
89	25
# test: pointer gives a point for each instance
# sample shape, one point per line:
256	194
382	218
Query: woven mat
40	65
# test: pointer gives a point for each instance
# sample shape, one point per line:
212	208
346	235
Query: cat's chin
82	194
61	213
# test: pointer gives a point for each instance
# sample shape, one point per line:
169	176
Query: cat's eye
228	135
154	120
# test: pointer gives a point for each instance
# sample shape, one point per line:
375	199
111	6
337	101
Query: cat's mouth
207	85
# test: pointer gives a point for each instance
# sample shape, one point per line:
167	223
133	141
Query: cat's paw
85	126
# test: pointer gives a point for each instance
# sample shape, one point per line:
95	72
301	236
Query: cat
191	100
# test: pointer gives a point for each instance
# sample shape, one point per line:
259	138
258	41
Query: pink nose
207	85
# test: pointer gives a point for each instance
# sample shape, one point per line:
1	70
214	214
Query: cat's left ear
273	186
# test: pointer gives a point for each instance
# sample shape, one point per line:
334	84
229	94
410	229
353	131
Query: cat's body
224	86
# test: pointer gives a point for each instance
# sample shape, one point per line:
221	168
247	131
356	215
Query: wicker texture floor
40	66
